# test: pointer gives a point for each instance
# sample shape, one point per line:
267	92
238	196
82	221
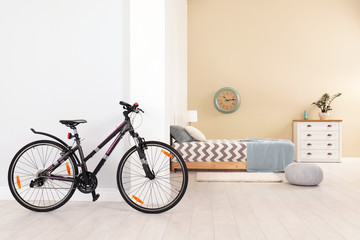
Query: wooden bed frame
210	165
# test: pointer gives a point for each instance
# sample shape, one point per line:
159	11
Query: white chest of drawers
317	141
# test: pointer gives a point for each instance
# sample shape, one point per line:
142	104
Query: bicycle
44	174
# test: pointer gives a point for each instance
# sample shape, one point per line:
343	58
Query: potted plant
324	104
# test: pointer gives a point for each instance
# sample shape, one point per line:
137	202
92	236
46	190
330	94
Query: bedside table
317	140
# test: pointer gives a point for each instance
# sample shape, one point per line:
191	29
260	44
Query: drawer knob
329	126
329	135
309	144
309	135
329	154
309	153
308	125
329	144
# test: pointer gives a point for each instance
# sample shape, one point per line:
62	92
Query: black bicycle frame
120	131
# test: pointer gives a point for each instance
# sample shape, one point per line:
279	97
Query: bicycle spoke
132	179
42	162
137	162
47	193
159	193
25	170
149	156
166	186
129	173
55	156
25	179
27	191
144	187
37	192
163	164
132	170
31	159
28	165
164	169
139	185
30	162
46	156
137	190
147	191
51	193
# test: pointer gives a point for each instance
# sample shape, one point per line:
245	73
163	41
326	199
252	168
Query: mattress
261	155
212	151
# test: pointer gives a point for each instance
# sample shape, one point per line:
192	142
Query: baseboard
106	195
346	159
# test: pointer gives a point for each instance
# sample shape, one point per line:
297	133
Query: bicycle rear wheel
28	164
152	195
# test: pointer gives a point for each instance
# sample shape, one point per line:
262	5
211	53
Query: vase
324	115
306	117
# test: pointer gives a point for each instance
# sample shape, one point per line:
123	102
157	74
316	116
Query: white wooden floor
209	211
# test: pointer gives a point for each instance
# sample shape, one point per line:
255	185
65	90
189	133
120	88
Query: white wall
49	50
176	59
62	60
147	66
158	63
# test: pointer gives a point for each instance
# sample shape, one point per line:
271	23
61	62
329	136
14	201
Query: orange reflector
138	199
18	181
166	153
68	168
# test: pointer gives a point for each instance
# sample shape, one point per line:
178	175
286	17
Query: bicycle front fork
140	148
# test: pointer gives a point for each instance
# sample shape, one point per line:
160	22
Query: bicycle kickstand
95	196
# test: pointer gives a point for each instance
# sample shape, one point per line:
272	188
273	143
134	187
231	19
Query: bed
252	154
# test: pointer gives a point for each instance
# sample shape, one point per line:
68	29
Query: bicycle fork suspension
140	147
148	173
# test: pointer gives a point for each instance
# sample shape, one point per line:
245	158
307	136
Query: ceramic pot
324	116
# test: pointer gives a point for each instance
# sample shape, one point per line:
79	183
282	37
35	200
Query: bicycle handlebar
131	108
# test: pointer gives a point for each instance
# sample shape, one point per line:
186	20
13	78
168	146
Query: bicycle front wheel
152	195
28	165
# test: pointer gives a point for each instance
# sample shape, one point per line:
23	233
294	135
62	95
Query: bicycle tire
25	166
140	192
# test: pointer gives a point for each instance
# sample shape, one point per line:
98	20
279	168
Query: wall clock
227	100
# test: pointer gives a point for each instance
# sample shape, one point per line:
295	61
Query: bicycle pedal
95	197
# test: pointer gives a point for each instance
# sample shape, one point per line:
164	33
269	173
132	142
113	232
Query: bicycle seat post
76	135
78	142
81	153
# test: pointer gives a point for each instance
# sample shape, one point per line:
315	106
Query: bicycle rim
161	193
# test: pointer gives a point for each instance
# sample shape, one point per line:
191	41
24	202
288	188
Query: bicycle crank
86	187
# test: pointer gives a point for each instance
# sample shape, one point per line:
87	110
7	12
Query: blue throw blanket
268	155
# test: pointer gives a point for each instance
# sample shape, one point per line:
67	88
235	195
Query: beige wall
281	55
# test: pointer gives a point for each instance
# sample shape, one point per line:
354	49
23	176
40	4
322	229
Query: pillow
179	134
195	133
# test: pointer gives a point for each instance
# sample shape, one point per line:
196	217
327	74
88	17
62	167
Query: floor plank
287	216
270	224
202	225
247	223
225	226
130	227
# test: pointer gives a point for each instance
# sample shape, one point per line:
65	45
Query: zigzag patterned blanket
213	151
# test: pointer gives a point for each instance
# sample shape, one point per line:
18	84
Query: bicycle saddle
72	123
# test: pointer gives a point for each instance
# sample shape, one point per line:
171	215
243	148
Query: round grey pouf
303	174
